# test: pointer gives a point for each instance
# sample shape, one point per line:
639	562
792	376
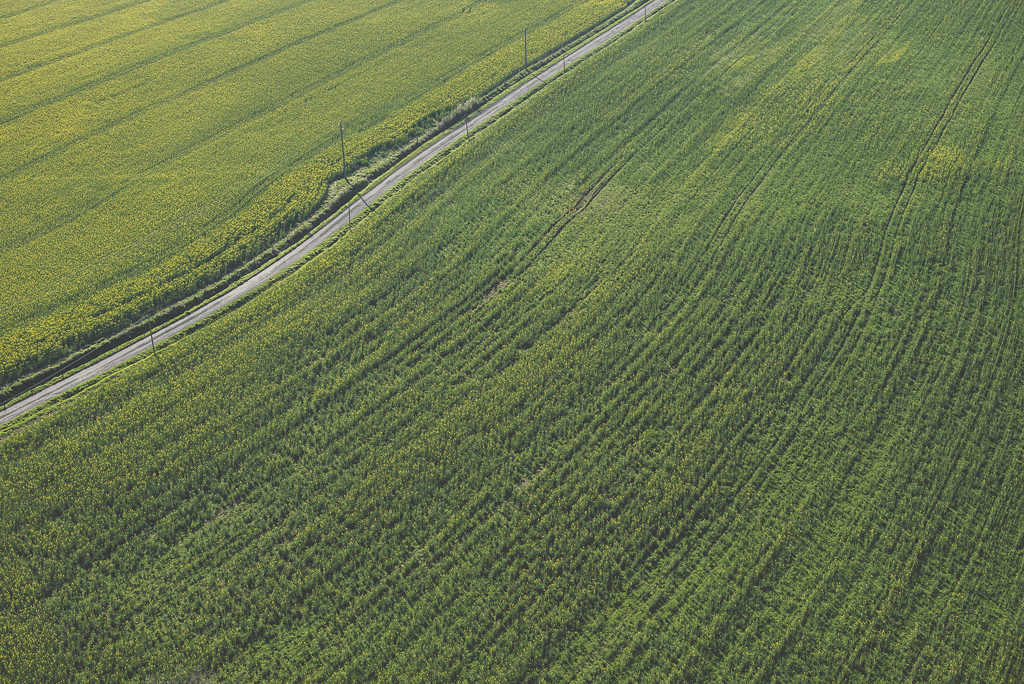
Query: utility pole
152	344
525	62
467	129
344	171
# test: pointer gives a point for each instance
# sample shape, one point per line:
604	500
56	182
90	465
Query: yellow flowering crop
149	149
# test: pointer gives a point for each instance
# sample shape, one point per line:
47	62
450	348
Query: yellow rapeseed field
147	146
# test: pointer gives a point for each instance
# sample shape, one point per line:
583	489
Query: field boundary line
370	196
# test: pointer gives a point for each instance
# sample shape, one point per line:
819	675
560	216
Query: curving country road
336	223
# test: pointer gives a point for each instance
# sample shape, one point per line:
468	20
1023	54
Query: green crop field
706	364
151	146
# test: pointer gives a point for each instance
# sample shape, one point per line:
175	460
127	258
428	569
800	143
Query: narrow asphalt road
339	221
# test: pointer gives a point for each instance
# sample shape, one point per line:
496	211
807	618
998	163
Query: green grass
706	365
151	147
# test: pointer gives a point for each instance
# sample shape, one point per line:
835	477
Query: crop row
627	388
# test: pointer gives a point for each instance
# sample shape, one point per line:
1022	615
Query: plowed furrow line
795	141
27	9
852	343
904	197
78	20
226	126
113	39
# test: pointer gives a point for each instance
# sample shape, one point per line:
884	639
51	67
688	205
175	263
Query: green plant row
705	365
